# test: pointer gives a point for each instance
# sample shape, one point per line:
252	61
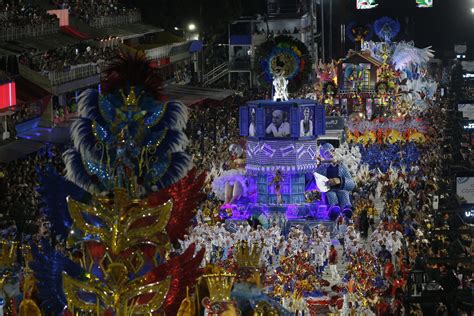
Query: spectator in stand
63	58
88	9
20	201
19	13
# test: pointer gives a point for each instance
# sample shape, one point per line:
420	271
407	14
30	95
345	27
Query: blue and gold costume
338	194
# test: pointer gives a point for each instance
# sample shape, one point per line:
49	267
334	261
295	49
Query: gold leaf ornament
117	232
117	293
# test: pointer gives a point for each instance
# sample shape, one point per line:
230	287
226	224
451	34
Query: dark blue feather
386	28
48	266
175	117
54	189
152	119
174	141
180	166
102	134
84	140
87	104
76	172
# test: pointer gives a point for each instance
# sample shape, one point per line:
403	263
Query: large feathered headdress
386	28
127	136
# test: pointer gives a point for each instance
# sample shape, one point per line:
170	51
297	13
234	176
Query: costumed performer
277	186
232	185
339	180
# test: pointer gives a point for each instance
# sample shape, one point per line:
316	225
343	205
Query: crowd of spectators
26	112
22	13
85	10
212	130
411	208
66	58
19	201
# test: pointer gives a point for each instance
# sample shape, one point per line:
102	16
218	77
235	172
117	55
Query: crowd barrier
17	32
75	72
108	21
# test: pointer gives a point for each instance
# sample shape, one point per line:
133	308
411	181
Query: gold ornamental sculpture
131	191
219	302
118	235
248	260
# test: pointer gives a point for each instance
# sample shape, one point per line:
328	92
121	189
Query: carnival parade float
124	215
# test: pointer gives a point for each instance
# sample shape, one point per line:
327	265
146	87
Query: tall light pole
322	31
201	37
314	53
330	29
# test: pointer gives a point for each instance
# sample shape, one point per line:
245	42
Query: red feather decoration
186	195
184	271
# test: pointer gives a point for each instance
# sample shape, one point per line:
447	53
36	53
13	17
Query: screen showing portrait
306	121
277	122
252	122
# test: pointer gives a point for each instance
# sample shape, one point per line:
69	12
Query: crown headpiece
131	99
248	256
220	286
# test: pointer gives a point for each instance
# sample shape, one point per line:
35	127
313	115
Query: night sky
449	22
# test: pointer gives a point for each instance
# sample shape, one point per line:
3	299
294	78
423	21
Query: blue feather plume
87	97
148	132
386	28
53	190
48	266
76	172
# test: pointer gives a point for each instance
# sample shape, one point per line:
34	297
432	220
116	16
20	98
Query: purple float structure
281	158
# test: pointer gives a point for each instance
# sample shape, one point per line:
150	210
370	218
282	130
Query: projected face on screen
306	122
277	123
253	124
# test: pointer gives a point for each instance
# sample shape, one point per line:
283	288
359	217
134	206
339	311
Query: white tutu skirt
231	184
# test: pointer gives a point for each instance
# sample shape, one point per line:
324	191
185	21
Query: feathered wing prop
48	266
406	56
186	196
54	190
184	270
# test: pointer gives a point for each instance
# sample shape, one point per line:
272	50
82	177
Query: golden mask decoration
117	292
118	215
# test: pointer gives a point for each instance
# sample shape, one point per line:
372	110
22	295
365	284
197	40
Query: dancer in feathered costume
130	194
